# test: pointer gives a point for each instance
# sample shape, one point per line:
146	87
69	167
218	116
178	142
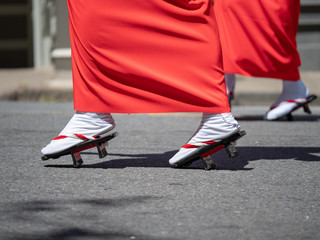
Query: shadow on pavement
296	118
246	154
66	219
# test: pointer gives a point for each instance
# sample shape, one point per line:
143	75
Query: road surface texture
271	191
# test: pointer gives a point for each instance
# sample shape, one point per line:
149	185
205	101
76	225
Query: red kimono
259	37
133	56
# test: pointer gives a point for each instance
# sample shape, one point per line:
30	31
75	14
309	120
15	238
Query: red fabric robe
259	37
133	56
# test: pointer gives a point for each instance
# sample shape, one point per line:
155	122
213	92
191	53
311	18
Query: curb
66	95
38	95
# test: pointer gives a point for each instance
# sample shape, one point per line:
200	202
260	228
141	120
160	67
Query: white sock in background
291	90
230	83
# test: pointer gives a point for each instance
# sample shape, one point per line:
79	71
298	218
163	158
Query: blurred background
35	47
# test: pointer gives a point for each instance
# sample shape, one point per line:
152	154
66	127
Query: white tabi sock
83	123
213	127
293	93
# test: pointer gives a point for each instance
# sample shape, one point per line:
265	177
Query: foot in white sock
81	127
213	128
293	94
230	83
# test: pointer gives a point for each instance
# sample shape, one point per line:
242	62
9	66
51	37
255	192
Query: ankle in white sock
230	83
293	93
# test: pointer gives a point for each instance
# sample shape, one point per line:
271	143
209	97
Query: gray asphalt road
271	191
